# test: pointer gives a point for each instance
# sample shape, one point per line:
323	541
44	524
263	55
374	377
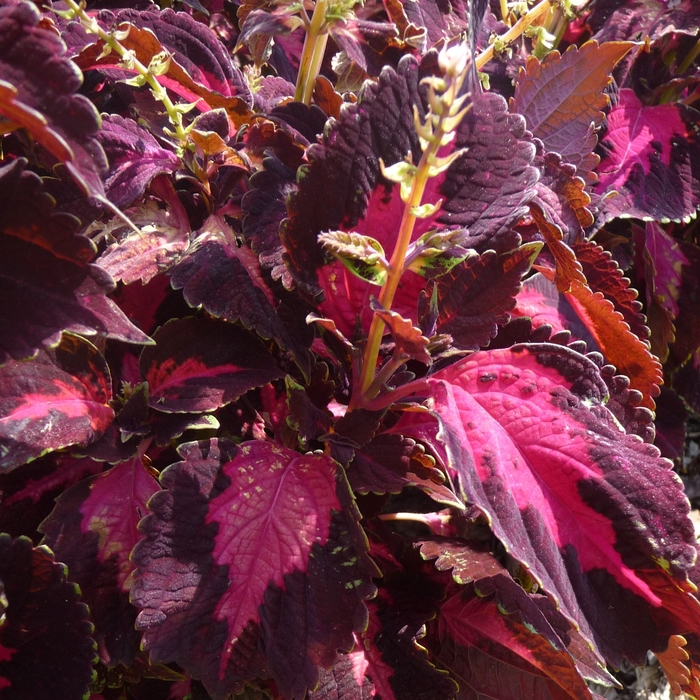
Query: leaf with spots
58	399
201	364
593	515
252	564
92	530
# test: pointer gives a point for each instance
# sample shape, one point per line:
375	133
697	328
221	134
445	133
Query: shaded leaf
44	627
345	680
58	399
92	530
397	662
561	483
38	92
257	554
201	364
562	99
652	159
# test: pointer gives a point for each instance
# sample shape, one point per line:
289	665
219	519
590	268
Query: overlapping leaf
499	645
652	159
255	554
38	92
608	326
58	399
561	483
225	279
92	530
562	99
46	283
199	71
201	364
44	627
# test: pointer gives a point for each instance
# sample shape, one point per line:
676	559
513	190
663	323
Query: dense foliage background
347	349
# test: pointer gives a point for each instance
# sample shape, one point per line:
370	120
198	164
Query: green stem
312	53
159	92
396	269
514	32
688	60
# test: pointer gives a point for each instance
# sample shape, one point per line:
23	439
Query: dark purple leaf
252	565
397	663
38	92
92	530
201	364
475	297
44	627
58	399
487	190
335	188
46	283
135	158
652	158
225	279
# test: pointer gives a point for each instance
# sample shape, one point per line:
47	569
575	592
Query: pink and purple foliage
300	400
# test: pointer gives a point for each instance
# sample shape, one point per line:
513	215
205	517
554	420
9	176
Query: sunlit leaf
562	99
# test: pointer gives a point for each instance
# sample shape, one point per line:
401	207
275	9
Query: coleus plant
346	348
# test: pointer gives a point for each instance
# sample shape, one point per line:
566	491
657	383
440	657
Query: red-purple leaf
252	564
58	399
44	627
346	679
201	364
92	530
652	158
560	483
38	92
562	99
135	158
